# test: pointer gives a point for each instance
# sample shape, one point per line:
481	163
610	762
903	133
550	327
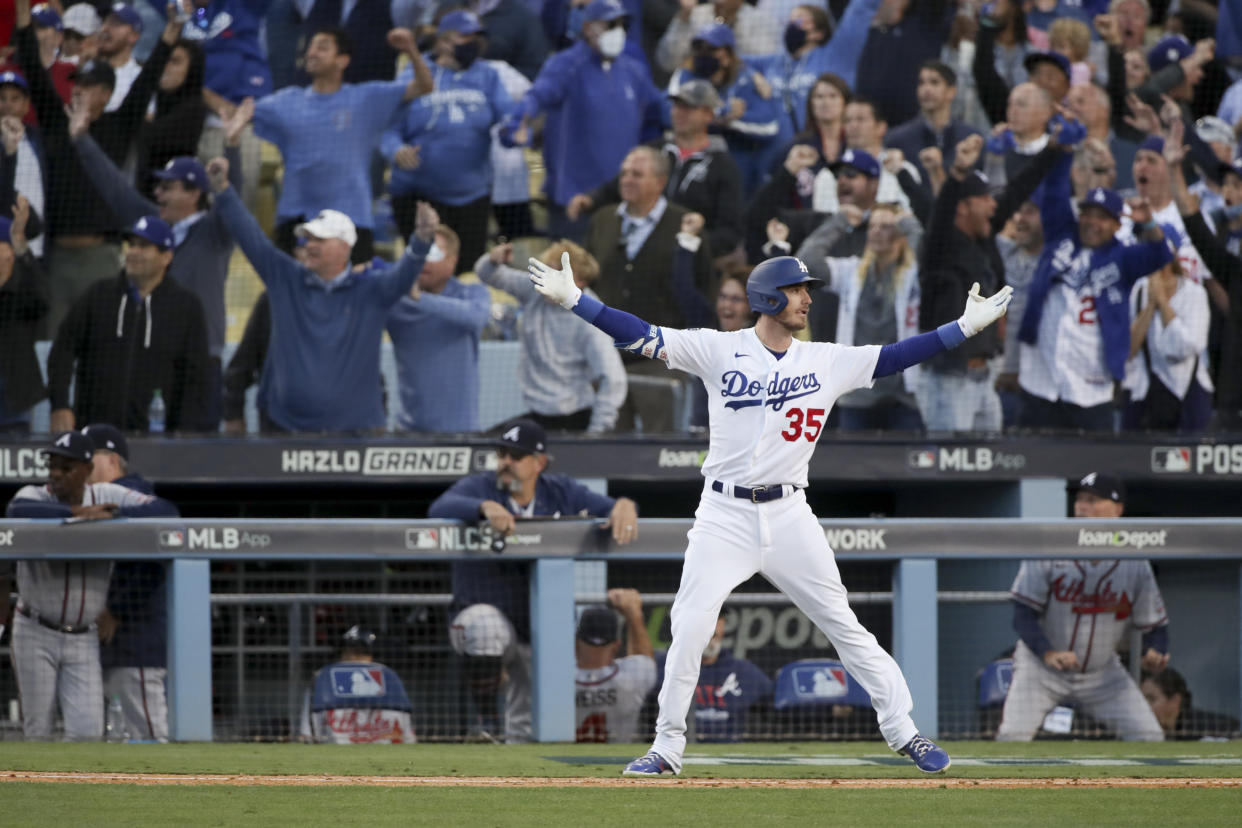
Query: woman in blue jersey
440	145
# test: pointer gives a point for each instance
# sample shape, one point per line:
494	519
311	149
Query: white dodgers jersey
765	413
607	699
1088	606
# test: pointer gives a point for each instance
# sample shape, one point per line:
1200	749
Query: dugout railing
927	557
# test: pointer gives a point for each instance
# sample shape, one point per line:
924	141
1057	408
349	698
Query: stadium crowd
1083	151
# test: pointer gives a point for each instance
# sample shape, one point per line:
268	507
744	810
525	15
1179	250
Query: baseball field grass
1043	783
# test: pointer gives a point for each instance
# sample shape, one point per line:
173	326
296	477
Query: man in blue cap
600	103
130	337
202	243
1075	332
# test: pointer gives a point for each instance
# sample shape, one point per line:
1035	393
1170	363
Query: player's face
1164	707
1089	505
1096	227
515	471
793	317
66	477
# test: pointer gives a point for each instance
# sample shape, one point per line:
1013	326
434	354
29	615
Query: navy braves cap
522	436
107	437
127	14
1168	50
45	15
716	34
1055	58
14	79
860	160
604	10
460	21
598	626
1104	199
1103	484
186	169
153	229
71	444
95	73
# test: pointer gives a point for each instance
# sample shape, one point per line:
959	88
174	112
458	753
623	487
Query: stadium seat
817	681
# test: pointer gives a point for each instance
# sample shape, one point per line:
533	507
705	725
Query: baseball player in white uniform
769	397
608	691
1070	616
55	643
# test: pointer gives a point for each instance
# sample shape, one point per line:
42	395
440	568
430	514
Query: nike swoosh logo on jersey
739	356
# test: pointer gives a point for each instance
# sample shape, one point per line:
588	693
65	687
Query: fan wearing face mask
813	47
599	101
440	144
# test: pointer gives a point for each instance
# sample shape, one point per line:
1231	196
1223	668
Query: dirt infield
600	782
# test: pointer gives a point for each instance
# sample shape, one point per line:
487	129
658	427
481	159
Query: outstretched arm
979	313
627	331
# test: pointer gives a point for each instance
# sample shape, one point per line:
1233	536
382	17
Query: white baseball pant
59	667
144	707
1107	695
730	541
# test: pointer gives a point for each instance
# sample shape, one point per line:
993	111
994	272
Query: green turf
43	804
532	760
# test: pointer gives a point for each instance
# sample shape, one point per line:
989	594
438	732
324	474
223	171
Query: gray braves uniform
55	645
1087	607
607	699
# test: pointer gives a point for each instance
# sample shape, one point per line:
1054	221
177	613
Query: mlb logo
922	459
821	683
172	538
358	682
1170	459
419	539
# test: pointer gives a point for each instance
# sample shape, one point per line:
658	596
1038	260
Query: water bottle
155	413
115	725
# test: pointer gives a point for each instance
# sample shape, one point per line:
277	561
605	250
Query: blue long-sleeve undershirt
626	328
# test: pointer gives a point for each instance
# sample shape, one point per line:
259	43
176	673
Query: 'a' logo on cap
63	440
512	434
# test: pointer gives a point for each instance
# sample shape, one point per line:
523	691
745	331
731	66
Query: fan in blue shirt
326	133
435	332
441	145
321	372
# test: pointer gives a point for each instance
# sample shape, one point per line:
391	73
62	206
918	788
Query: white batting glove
557	285
982	312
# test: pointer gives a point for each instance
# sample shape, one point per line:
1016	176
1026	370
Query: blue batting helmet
763	288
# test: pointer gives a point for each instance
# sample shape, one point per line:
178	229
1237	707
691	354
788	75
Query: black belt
759	494
61	628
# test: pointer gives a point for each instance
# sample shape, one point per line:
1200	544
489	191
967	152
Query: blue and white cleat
927	755
652	764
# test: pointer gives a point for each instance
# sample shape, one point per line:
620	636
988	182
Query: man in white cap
322	368
81	24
